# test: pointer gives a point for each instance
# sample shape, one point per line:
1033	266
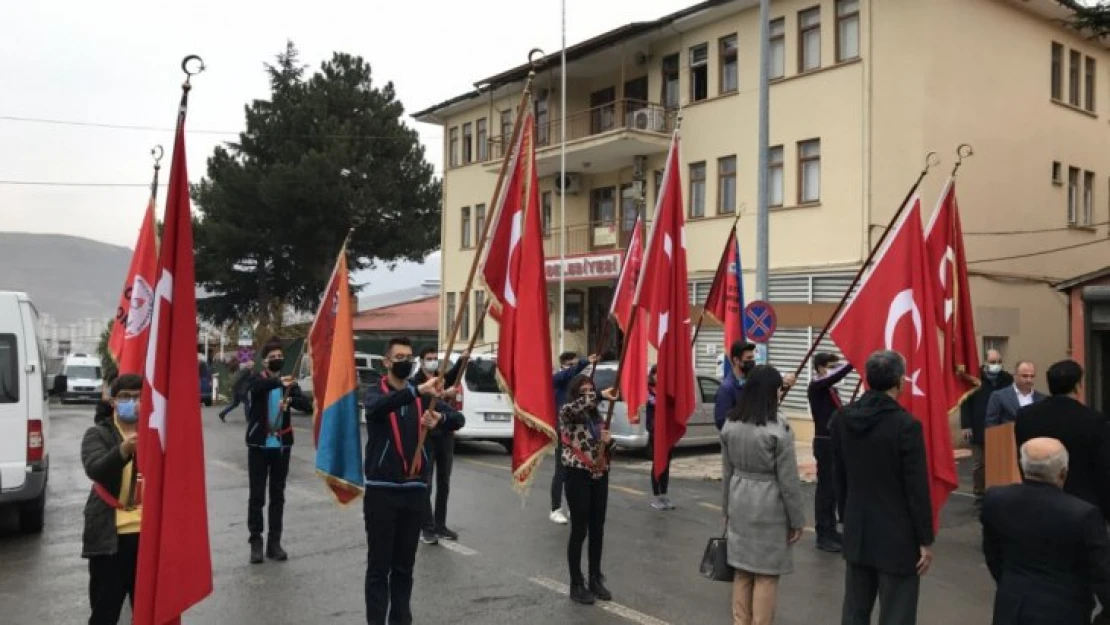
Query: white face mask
994	368
430	366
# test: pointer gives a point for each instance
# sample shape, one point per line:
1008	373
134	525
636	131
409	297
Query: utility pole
762	216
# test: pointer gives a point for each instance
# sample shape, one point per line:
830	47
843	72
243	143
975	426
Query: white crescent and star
514	242
901	305
948	257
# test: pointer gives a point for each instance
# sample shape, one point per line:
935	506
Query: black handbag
714	563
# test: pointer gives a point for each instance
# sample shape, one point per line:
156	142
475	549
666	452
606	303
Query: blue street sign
759	321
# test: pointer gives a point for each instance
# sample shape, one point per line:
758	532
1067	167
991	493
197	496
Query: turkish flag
517	283
633	381
664	299
893	310
131	327
175	562
725	301
944	243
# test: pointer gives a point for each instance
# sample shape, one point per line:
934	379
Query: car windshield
605	378
83	372
481	376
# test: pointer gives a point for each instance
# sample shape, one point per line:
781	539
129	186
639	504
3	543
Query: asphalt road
508	566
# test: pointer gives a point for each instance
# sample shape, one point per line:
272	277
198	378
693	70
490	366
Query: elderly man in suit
1005	403
1084	432
1048	551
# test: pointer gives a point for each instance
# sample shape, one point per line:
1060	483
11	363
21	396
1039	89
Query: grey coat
762	495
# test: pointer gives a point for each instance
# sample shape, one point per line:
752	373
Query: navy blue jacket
821	402
728	395
562	380
384	466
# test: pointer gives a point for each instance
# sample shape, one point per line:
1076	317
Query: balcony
603	138
588	238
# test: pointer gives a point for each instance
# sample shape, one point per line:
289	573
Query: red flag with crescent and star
893	309
944	244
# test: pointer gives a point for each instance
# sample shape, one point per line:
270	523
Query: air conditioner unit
568	183
649	119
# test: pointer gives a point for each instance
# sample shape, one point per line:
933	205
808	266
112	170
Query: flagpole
620	364
931	160
724	255
472	344
156	153
307	350
562	178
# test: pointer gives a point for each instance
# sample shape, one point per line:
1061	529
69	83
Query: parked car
24	412
367	367
488	411
84	379
700	429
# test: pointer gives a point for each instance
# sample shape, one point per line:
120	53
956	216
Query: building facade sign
605	266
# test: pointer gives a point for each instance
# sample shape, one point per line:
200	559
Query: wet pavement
508	566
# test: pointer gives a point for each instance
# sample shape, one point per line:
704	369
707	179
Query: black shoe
829	545
223	417
446	533
579	594
597	587
428	537
256	551
275	552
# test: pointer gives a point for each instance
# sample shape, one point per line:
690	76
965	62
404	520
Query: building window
465	225
453	147
997	343
809	171
1086	218
1073	196
726	185
670	82
506	130
1074	59
467	144
658	185
479	318
1057	71
847	30
777	56
479	221
483	140
809	39
699	73
730	72
543	118
464	323
1089	86
774	176
545	215
697	190
449	312
1056	179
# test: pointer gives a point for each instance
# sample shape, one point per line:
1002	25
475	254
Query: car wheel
508	445
32	515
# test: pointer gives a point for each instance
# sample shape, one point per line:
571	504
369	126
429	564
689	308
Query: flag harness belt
136	492
397	433
595	468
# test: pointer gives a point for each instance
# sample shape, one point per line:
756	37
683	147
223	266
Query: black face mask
401	370
746	366
275	365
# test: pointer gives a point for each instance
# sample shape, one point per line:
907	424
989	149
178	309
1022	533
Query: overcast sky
117	63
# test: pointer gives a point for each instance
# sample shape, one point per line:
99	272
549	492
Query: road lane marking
462	550
625	489
711	506
486	464
613	608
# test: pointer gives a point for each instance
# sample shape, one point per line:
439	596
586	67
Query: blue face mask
127	410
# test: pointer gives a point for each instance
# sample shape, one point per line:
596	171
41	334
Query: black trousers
558	481
659	486
824	500
442	458
236	401
897	597
112	579
272	466
587	498
393	517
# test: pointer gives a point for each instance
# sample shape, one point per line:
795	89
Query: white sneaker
558	517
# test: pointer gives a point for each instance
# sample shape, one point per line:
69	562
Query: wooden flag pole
931	160
472	344
724	255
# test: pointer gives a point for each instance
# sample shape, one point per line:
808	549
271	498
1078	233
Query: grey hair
885	370
1045	469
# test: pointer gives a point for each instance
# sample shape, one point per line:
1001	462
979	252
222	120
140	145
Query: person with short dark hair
1005	403
824	400
742	360
113	511
882	482
762	496
441	444
397	475
570	365
1083	431
269	447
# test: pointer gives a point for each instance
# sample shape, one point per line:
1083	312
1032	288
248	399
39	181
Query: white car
24	413
488	412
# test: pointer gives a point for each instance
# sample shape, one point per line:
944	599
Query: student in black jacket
397	479
824	400
269	447
441	450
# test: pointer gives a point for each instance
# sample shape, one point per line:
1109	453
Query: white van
84	379
24	415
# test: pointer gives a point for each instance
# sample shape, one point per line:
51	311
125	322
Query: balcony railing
637	115
596	236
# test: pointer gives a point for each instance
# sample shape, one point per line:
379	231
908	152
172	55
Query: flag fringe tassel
337	483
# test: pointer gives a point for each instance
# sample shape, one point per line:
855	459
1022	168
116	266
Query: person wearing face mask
269	447
570	365
824	400
973	416
441	446
742	358
113	511
586	448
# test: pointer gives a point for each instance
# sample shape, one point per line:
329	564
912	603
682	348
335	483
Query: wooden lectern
1001	456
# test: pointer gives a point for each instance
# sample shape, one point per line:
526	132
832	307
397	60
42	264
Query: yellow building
861	90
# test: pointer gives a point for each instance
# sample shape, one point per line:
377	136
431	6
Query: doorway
1098	374
600	299
603	110
635	98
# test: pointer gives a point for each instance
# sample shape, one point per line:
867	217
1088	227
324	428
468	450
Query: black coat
973	412
1086	435
100	456
1048	552
883	484
258	417
384	466
822	405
